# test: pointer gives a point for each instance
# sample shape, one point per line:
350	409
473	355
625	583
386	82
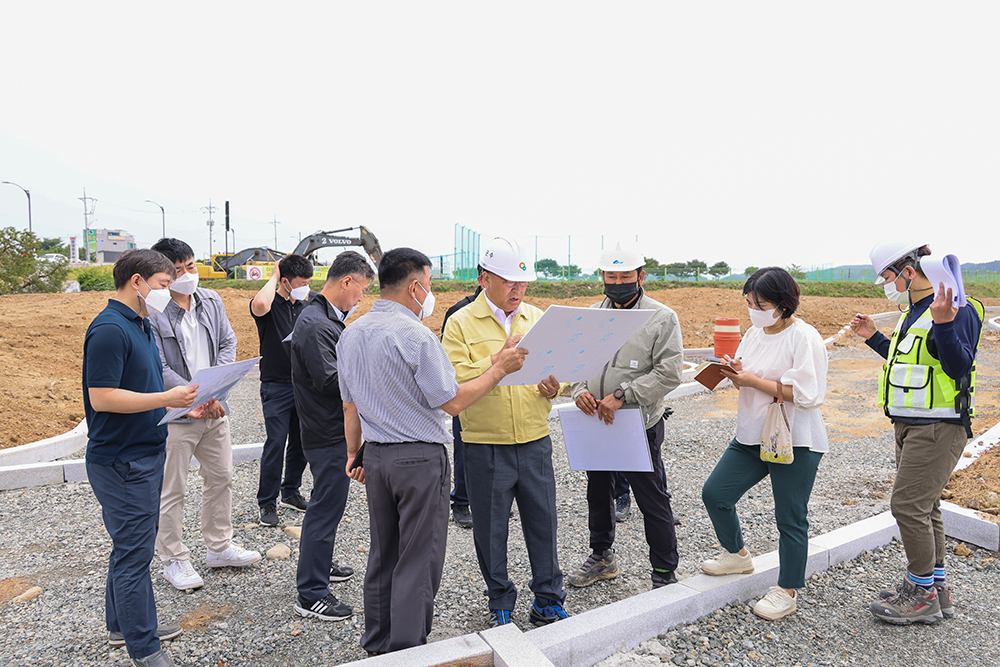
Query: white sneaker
727	563
776	604
181	575
233	556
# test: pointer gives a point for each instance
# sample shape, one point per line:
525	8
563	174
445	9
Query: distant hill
982	266
966	266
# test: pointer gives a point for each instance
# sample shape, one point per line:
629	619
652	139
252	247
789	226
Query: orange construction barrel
727	336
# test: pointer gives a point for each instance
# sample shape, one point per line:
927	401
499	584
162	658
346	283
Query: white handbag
776	439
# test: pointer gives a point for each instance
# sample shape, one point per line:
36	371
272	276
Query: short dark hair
295	266
908	260
175	249
399	266
349	263
775	285
141	261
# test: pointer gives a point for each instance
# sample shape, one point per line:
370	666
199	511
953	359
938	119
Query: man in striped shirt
398	387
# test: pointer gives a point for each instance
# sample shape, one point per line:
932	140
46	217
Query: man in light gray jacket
646	368
193	333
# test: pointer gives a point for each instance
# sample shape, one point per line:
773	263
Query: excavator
224	265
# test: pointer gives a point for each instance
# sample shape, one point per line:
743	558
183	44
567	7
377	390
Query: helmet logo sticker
522	266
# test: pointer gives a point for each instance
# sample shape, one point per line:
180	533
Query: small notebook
710	374
947	270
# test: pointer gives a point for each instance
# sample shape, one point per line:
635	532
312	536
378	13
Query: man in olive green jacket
646	368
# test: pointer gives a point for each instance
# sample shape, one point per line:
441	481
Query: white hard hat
887	253
620	260
504	257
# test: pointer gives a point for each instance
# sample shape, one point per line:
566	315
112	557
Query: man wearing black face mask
646	368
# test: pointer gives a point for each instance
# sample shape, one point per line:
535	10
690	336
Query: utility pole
210	223
89	204
275	223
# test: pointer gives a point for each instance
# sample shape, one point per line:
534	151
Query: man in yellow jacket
508	451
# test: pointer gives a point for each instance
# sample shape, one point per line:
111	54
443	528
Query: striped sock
939	575
924	582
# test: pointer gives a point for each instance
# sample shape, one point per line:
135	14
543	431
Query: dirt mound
41	342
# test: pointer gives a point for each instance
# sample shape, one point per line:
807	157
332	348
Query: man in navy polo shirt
124	399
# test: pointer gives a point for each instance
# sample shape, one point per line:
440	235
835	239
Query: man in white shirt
193	333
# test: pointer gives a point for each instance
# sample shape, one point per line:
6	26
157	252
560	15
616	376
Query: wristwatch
619	394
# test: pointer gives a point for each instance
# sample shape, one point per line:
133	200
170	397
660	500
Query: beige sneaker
776	604
728	563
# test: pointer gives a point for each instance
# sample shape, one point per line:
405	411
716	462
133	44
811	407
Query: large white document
573	344
213	383
593	445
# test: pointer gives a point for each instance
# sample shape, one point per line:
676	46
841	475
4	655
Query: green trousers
738	471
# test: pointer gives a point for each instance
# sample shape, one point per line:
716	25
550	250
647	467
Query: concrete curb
594	635
55	447
75	470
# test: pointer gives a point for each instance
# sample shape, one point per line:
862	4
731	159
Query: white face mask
763	318
894	295
427	307
157	299
299	293
186	284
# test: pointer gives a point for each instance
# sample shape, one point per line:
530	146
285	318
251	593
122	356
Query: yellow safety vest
913	383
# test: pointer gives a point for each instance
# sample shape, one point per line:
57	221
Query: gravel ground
53	537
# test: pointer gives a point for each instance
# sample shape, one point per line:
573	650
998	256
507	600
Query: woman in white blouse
778	348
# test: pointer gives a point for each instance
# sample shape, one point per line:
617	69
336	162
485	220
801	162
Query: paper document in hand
947	270
213	383
593	445
573	344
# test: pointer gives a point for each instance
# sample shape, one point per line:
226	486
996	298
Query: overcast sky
752	133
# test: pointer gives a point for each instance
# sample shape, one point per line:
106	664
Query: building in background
105	246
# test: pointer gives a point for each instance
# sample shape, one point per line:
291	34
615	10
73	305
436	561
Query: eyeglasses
509	283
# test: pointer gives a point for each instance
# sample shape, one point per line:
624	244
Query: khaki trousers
925	458
208	441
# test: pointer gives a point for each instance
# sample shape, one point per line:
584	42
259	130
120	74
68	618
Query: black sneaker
340	572
661	579
296	502
462	515
327	609
548	613
269	515
163	633
623	505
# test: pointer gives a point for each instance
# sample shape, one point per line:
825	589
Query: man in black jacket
321	424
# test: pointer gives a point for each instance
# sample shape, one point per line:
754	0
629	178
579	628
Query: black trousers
650	495
281	424
331	486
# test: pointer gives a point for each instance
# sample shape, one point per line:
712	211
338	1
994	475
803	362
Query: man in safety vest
927	388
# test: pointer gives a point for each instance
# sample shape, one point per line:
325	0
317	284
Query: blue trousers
459	496
281	423
129	494
495	475
739	470
319	527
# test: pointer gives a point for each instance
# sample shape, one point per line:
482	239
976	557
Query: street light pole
163	214
28	195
